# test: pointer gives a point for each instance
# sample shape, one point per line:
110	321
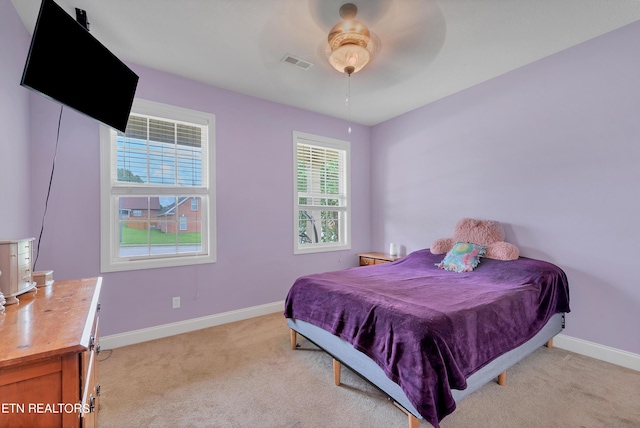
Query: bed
425	336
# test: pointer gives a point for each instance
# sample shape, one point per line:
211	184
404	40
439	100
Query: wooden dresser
48	357
369	259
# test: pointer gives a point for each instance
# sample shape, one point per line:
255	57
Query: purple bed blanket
429	329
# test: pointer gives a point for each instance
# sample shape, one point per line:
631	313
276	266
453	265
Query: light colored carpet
244	374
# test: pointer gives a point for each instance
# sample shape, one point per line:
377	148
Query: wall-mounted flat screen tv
67	64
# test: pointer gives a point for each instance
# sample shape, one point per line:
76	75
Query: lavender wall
15	177
552	151
254	177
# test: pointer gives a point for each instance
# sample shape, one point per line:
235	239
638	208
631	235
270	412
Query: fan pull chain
348	101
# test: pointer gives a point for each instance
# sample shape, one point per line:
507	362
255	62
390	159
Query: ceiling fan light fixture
349	57
350	47
350	31
349	42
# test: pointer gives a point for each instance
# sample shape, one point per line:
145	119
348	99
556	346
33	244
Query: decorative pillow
463	257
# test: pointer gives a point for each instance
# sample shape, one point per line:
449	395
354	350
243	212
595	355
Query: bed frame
344	353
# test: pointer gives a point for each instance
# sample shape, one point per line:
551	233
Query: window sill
125	265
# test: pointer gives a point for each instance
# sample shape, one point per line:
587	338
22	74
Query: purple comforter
427	328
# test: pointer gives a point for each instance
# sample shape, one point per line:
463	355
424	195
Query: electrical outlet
176	302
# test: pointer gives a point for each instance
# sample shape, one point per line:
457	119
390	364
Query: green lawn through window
156	237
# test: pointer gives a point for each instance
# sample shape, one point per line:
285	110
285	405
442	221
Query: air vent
300	63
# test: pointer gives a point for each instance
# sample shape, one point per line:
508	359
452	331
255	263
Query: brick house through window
181	216
141	212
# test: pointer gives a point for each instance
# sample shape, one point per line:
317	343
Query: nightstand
370	259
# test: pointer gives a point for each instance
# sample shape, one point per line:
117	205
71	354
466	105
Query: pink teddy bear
481	232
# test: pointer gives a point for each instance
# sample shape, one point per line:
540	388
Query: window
158	170
321	194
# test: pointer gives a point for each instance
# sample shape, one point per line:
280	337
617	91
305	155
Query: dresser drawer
24	259
24	247
367	261
370	259
24	272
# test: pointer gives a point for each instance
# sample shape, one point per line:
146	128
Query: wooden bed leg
294	337
502	378
549	343
413	421
336	372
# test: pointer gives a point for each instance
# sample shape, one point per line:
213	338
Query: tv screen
67	64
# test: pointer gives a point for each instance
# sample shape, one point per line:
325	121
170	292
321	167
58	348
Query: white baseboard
165	330
599	352
579	346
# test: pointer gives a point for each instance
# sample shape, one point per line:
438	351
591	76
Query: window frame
110	260
329	143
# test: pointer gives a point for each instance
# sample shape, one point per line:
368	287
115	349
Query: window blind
320	176
155	151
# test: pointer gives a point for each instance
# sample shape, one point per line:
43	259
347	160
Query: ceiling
428	48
